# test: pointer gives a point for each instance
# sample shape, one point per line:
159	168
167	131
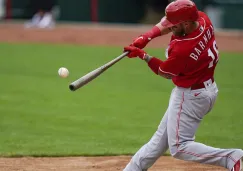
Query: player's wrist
147	57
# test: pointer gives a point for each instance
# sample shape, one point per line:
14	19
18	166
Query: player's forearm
154	64
162	29
153	33
156	31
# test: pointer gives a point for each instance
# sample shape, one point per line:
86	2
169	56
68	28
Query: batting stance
192	56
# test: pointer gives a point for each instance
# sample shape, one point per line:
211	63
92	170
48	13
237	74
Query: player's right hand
141	41
135	52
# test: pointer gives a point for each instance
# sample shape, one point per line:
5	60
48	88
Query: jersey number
211	54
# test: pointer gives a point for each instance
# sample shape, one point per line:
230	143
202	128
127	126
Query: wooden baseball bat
95	73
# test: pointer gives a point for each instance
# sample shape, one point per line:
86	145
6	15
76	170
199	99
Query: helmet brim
165	23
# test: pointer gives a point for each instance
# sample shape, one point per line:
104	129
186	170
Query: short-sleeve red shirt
192	59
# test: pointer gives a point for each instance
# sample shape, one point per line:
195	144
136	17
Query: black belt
200	85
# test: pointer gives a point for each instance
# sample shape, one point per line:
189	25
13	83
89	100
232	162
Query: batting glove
141	41
135	52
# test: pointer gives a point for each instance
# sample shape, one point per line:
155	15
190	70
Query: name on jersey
202	43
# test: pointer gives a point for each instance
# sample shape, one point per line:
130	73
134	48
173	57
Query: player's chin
178	33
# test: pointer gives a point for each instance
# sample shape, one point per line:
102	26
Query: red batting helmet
179	11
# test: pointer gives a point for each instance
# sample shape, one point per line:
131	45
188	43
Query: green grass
115	114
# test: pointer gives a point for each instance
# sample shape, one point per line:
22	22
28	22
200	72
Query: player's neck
192	27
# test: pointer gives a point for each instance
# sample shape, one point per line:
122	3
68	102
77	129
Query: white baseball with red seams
63	72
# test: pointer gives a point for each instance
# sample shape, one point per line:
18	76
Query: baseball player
192	56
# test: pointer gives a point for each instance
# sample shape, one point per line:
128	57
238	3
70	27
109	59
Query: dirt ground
115	35
94	164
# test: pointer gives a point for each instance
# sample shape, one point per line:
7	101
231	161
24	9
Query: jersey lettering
202	44
211	54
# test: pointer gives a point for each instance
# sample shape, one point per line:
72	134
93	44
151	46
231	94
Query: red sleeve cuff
154	64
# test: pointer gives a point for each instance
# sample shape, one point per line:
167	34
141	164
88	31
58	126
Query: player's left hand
135	52
141	41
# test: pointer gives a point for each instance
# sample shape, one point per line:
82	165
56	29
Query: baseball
63	72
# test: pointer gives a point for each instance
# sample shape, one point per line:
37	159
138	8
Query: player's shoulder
178	48
204	16
180	43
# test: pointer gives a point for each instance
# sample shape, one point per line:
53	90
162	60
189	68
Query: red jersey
192	59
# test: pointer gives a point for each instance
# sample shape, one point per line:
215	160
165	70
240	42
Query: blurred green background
224	13
115	114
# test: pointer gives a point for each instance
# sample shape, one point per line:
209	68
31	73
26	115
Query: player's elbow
166	76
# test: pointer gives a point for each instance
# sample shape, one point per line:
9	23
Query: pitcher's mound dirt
98	35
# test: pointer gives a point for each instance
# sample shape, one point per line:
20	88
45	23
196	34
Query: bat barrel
72	87
95	73
85	79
